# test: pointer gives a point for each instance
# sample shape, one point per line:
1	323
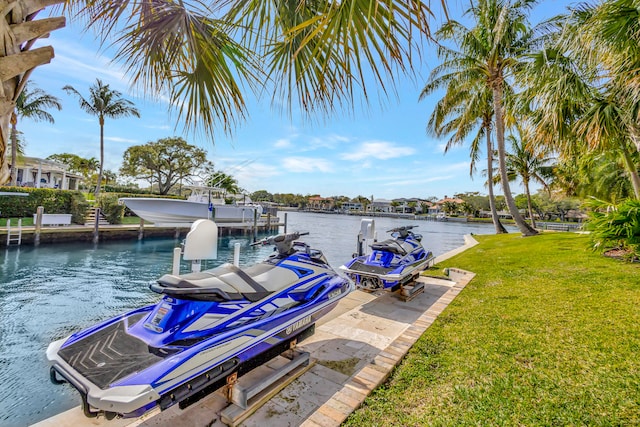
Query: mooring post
285	222
236	254
96	231
141	229
177	253
39	212
268	221
255	225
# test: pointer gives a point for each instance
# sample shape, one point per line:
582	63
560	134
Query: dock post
285	222
255	225
175	270
96	231
36	237
236	254
268	221
141	229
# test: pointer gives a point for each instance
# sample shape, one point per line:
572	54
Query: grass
547	333
26	221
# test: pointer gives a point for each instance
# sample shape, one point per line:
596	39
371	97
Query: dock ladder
14	236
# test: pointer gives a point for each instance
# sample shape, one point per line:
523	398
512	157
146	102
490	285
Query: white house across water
42	173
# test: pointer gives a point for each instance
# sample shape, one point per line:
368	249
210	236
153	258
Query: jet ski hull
145	380
392	264
375	277
207	326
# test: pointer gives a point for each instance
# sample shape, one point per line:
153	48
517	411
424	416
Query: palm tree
584	85
322	55
19	34
103	102
109	177
465	108
498	41
527	163
31	104
225	181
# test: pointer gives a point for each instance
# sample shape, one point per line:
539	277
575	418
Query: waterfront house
321	203
43	173
352	206
381	205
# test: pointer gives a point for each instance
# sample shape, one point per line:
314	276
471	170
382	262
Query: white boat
203	203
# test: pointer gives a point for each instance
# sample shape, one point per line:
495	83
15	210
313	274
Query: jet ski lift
393	264
209	328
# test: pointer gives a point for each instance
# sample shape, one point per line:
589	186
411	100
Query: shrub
110	208
54	201
615	227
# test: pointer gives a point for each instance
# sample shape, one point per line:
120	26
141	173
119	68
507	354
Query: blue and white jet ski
208	326
393	264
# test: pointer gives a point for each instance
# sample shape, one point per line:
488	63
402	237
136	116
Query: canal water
51	291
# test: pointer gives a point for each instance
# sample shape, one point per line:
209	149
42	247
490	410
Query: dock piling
36	238
96	227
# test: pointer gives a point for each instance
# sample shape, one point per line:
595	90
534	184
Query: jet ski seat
226	283
389	245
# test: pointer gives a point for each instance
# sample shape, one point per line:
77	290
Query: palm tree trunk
522	225
632	169
97	192
529	206
14	149
492	200
5	117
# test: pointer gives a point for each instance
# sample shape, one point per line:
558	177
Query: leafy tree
103	102
164	162
475	199
77	164
32	103
261	196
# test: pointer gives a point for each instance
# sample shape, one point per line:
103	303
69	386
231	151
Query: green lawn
546	334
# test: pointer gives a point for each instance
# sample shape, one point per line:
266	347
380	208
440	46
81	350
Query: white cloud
118	139
379	150
306	164
419	181
282	143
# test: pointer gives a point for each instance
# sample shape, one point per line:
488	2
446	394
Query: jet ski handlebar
404	232
403	228
282	242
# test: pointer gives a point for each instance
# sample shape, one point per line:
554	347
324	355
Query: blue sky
381	151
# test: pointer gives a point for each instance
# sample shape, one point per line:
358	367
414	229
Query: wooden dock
81	233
